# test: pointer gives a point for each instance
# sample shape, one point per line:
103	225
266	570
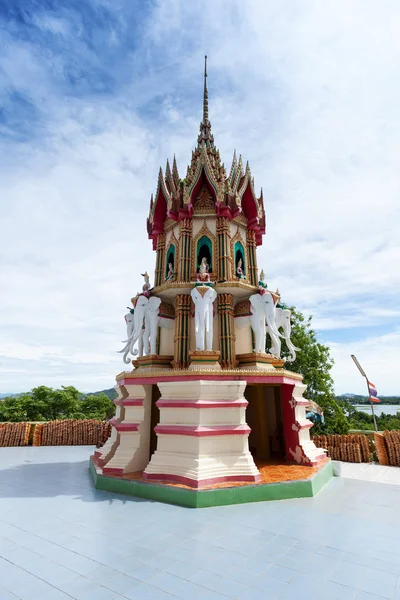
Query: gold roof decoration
233	195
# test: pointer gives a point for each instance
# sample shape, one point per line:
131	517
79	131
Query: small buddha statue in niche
203	274
239	270
171	272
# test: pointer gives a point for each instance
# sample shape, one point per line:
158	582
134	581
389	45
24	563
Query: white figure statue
263	311
144	327
283	319
135	330
203	298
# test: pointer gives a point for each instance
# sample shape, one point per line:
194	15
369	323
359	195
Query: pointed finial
205	134
205	96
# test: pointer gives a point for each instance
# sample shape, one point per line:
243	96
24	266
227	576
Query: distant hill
359	399
111	393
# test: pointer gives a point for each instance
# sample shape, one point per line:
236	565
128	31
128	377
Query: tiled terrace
62	539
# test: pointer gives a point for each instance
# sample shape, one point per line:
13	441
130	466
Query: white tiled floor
370	472
61	539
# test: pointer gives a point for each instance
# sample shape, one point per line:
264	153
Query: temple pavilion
205	406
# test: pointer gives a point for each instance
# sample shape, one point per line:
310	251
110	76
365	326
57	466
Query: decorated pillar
226	330
252	257
298	444
224	257
160	260
202	434
129	450
185	236
181	339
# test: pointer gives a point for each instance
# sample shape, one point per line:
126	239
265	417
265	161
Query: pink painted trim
125	427
97	453
132	402
112	471
128	402
203	482
273	379
200	404
201	430
303	402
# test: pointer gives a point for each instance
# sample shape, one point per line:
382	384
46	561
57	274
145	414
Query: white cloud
379	357
307	92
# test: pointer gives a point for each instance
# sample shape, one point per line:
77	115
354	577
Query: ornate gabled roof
232	195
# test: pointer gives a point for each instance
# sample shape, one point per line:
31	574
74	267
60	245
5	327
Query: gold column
226	330
181	339
252	270
159	273
224	249
185	238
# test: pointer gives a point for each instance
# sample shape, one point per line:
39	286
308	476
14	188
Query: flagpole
359	367
372	406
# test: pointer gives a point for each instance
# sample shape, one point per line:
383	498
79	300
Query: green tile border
214	497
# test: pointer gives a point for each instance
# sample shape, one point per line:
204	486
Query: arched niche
204	248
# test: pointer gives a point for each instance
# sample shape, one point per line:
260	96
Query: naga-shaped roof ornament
169	180
205	135
175	173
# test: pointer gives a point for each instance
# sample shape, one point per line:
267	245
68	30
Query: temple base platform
279	481
202	430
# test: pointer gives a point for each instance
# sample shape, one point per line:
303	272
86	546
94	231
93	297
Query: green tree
46	404
314	362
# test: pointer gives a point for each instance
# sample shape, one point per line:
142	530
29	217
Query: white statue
144	327
263	311
283	319
203	298
135	330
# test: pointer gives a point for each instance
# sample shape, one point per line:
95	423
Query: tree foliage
46	404
314	362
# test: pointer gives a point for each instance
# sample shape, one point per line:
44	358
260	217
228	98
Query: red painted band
132	402
200	404
129	402
203	482
202	431
97	453
305	424
112	471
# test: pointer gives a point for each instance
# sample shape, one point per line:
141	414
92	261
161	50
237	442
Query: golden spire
205	134
205	94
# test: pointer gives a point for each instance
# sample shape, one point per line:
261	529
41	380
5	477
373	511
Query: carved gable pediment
204	201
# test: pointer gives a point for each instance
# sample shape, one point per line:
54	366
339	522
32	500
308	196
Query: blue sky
96	95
